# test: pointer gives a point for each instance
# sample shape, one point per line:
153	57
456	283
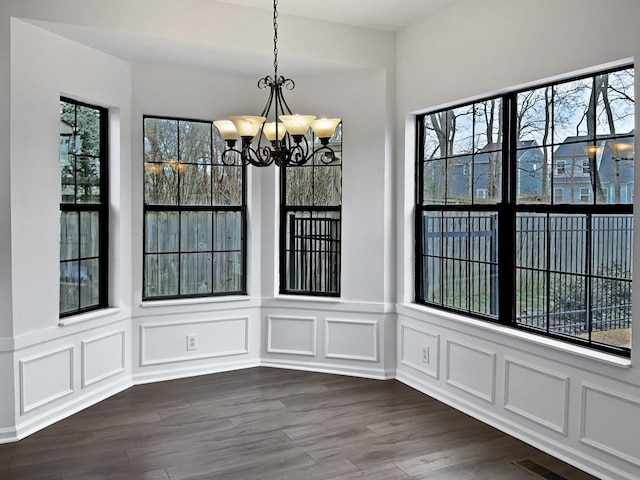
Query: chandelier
285	142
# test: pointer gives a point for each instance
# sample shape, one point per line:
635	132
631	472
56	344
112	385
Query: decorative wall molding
617	423
362	336
292	335
534	390
56	366
411	351
479	381
219	337
110	341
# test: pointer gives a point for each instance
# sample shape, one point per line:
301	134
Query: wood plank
265	423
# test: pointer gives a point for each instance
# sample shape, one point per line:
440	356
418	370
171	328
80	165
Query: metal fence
572	272
313	254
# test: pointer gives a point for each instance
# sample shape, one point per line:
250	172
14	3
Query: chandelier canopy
284	142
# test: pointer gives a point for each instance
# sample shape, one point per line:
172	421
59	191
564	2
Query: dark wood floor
264	423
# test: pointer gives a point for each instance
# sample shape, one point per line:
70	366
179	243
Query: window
559	265
310	223
84	207
585	194
194	212
558	195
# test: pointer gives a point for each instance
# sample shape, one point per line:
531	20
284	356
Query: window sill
307	298
507	332
85	317
193	301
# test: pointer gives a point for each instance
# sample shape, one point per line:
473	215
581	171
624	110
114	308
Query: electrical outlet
425	354
192	342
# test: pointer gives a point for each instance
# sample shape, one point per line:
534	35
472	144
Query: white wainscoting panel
352	339
162	343
102	357
537	395
292	335
610	422
45	378
471	369
420	350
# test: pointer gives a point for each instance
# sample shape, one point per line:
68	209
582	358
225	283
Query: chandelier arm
260	157
227	153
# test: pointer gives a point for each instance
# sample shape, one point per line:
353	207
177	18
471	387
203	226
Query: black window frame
101	208
316	217
181	208
507	210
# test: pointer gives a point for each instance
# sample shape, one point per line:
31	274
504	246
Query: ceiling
387	15
383	15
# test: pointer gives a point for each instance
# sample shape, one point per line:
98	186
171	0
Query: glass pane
299	186
69	282
195	184
571	102
432	271
533	176
612	265
460	175
327	185
87	179
534	117
483	271
195	231
161	275
531	298
227	231
611	311
195	142
89	283
568	243
88	131
435	135
615	106
531	264
69	236
227	272
487	177
462	133
227	185
161	232
432	234
195	273
312	252
488	126
89	234
531	241
612	246
568	304
455	235
160	140
160	183
614	159
67	164
434	182
574	172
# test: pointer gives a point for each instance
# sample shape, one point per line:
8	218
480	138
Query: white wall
54	369
58	369
576	404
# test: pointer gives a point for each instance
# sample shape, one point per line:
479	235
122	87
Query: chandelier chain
275	39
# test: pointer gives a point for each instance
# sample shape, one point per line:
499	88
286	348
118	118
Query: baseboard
185	372
558	450
76	405
8	435
373	373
